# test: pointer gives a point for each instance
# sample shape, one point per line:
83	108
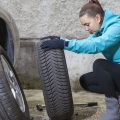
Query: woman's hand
53	42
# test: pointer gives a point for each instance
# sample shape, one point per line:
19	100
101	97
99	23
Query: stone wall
38	18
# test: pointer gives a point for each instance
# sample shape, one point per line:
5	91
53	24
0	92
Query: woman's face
91	24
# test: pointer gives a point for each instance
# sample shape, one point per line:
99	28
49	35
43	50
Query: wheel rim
12	81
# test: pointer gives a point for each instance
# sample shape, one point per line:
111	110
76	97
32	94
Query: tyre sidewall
8	90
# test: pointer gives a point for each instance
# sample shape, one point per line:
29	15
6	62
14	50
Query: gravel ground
35	97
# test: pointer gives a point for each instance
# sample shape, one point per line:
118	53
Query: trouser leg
89	83
102	79
105	79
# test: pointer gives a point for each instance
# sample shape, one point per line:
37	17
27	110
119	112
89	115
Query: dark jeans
104	79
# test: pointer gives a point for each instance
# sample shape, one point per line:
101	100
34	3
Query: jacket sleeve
93	45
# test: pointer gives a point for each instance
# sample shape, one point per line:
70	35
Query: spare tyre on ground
55	82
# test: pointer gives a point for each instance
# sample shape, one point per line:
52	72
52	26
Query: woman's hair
92	8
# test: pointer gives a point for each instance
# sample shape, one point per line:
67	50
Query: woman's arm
92	45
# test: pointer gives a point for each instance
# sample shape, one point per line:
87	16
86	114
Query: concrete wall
38	18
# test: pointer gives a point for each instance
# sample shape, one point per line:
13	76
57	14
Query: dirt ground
81	112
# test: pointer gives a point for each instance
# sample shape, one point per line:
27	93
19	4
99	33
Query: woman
104	27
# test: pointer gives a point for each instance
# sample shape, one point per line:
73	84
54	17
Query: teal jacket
106	40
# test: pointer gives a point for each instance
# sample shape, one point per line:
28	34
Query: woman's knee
83	82
98	63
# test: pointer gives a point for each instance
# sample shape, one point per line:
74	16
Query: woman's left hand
54	42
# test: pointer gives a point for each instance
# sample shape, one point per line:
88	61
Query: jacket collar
107	15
